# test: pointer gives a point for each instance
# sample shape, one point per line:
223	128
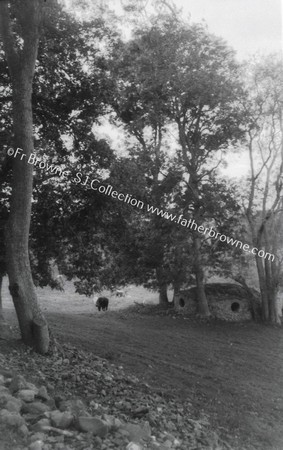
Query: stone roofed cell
227	301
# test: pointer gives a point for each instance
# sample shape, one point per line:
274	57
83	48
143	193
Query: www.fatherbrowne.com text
108	190
180	220
190	224
210	232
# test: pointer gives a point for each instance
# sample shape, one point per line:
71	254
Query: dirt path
233	372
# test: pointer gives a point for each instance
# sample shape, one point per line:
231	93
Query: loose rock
134	446
137	432
37	445
43	394
61	420
35	408
93	425
11	419
18	382
13	405
27	395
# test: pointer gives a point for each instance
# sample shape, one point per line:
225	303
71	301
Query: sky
249	26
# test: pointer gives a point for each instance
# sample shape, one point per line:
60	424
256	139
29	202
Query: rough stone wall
223	305
190	304
233	310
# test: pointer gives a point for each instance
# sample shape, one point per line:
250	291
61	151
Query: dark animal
102	303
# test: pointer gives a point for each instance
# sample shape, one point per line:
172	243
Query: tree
66	101
180	74
139	106
263	206
20	24
201	102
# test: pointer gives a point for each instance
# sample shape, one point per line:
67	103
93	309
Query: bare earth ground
233	372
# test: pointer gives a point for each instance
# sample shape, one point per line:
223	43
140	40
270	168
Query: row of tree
184	103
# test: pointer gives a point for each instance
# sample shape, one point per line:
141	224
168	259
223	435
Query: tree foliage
177	78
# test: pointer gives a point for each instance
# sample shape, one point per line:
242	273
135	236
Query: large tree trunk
263	288
31	320
203	308
5	329
274	316
272	290
163	298
268	291
21	62
162	287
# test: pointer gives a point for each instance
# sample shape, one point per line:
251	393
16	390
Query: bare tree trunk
5	329
263	288
268	288
32	324
163	297
264	133
203	308
1	304
21	62
272	290
162	287
273	310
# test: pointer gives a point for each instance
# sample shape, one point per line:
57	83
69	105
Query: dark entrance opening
182	302
235	306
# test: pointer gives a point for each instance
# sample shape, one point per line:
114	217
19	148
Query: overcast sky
247	25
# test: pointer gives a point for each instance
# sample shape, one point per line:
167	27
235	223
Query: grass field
230	371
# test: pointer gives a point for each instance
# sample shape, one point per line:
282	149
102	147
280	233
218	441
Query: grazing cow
102	303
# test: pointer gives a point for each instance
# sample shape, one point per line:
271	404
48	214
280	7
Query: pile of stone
48	423
75	400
